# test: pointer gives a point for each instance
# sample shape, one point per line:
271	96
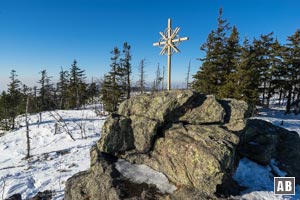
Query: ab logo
284	185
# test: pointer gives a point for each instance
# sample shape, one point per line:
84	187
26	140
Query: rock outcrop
262	141
182	134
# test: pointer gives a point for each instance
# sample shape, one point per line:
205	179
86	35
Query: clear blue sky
48	34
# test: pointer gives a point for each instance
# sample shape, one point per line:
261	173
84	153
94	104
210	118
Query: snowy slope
257	178
55	157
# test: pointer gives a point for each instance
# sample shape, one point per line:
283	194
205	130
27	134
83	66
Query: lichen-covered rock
162	106
210	111
178	133
144	131
117	135
237	112
104	182
195	156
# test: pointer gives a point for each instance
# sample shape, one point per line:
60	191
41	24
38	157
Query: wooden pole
168	42
169	53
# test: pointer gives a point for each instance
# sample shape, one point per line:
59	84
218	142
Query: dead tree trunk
27	129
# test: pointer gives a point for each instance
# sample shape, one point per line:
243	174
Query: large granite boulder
237	112
262	141
199	157
184	135
209	111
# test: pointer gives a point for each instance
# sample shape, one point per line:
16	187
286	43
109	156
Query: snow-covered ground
257	178
55	157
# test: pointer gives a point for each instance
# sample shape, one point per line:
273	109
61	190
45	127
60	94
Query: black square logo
284	185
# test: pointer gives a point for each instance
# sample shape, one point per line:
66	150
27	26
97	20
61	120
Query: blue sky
49	34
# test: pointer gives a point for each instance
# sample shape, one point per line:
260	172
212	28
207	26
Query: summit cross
169	42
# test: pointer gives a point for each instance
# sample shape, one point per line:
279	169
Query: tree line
253	72
70	92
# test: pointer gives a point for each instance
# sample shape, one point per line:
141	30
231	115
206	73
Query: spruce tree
4	111
126	67
263	49
46	90
62	88
278	71
112	92
107	95
232	55
212	73
14	98
247	78
292	63
77	87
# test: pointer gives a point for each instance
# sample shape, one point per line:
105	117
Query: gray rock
15	197
236	114
200	157
177	133
210	111
261	141
117	135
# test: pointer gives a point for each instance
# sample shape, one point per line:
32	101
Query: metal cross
170	39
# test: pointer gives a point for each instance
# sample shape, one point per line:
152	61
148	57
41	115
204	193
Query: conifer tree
14	98
278	71
45	99
263	49
76	87
212	73
231	59
126	67
247	78
292	63
4	111
111	92
62	88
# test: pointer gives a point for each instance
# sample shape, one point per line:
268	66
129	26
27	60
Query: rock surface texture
188	137
261	141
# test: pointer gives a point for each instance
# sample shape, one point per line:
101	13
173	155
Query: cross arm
159	43
180	39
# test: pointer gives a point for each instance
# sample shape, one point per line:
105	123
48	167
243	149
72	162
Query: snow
55	157
144	174
258	179
276	115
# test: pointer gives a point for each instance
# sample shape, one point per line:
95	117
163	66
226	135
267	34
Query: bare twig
63	124
3	187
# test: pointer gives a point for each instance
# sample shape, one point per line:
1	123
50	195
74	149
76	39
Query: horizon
49	35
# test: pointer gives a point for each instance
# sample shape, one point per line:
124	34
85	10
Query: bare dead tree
141	82
27	127
188	76
163	78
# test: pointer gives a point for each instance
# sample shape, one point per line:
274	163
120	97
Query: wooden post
170	40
